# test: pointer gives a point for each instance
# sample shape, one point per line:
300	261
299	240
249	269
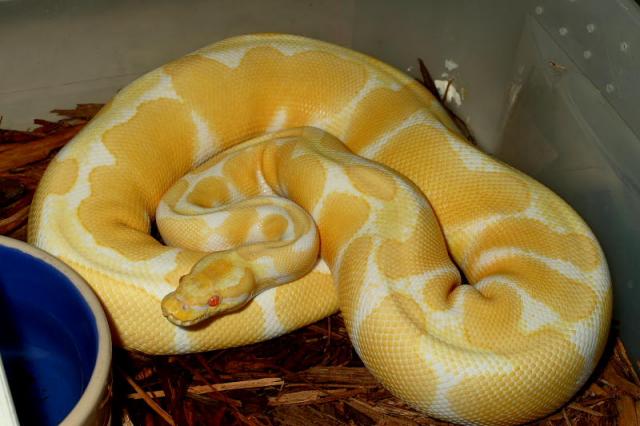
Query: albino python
260	154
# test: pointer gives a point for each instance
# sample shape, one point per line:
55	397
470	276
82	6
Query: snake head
216	285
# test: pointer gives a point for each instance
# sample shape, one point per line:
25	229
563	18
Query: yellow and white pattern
511	347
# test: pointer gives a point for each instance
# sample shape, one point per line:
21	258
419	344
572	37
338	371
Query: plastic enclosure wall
549	86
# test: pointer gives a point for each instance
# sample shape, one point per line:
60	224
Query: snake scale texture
290	178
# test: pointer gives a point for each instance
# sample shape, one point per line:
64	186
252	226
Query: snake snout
180	312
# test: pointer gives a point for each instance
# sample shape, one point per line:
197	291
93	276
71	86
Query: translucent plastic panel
564	130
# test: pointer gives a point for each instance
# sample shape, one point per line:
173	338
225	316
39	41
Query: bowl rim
93	394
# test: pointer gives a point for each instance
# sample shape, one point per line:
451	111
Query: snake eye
214	301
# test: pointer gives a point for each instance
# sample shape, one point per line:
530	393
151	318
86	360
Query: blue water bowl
54	340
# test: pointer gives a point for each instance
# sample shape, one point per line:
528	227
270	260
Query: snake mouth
180	312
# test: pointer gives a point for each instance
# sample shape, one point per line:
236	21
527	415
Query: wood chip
578	407
203	389
150	402
14	155
326	332
627	415
83	111
14	221
345	375
296	415
378	414
621	351
313	396
614	379
10	191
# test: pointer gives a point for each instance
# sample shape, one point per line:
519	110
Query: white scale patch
233	56
371	296
534	211
337	182
471	158
441	322
402	226
535	314
147	275
164	89
449	324
422	116
215	220
479	225
256	233
206	170
583	339
565	268
414	285
229	57
182	341
266	266
453	364
304	242
97	155
163	211
291	49
584	330
267	302
601	279
279	120
474	226
338	124
300	151
205	139
212	218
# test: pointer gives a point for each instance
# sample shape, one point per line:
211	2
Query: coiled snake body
281	118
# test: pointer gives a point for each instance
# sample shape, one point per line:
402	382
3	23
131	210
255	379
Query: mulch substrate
309	377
